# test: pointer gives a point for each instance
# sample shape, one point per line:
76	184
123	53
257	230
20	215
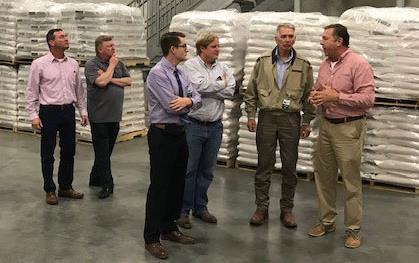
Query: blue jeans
204	140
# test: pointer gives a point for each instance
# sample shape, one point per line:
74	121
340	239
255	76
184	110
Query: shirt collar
51	57
278	58
167	64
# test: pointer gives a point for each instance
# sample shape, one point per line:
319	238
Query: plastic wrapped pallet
23	120
377	34
391	152
7	30
8	96
231	27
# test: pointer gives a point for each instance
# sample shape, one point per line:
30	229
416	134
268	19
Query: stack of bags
391	152
391	47
231	27
23	120
7	30
8	96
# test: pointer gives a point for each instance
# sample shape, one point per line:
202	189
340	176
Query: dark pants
273	127
168	161
103	137
62	119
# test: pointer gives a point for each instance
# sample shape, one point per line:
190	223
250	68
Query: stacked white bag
8	96
7	30
23	120
231	27
388	38
308	29
391	152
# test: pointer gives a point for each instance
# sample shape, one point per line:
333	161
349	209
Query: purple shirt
54	82
162	88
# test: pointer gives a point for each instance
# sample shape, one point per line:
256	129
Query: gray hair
286	25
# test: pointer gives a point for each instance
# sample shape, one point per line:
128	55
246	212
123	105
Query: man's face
60	40
212	51
107	49
181	50
285	38
329	43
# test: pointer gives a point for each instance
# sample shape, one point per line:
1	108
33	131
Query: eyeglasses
184	46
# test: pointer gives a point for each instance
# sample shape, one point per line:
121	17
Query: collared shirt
207	80
162	88
281	67
353	78
54	82
104	104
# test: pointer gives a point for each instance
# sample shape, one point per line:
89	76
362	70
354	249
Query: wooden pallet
130	62
28	131
230	163
131	135
409	189
403	103
7	62
23	60
8	128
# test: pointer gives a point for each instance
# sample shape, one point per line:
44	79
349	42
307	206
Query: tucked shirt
162	88
54	82
281	67
207	80
353	78
104	104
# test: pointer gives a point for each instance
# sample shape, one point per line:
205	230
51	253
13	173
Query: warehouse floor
110	230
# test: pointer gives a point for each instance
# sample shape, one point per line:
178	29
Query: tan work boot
288	218
259	217
321	229
353	238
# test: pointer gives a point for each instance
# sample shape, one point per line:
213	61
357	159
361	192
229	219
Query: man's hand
324	95
36	123
305	131
180	103
113	60
251	125
84	121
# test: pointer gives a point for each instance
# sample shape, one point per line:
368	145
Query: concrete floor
110	230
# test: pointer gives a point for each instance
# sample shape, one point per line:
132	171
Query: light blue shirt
281	67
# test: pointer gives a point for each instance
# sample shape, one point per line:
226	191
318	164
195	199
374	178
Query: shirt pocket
293	85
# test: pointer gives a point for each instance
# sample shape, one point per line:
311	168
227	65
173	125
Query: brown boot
288	218
157	250
259	217
51	198
353	238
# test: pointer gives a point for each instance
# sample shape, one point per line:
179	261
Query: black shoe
105	192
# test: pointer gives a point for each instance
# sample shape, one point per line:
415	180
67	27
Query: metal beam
400	3
297	5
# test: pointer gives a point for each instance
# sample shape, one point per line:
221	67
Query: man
53	87
344	93
215	82
106	78
279	85
169	96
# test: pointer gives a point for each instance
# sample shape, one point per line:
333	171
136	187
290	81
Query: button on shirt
162	87
54	82
353	78
281	67
207	81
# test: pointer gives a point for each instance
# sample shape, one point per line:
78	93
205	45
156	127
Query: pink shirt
353	78
54	82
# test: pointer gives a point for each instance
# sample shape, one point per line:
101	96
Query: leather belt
206	123
346	119
164	126
59	107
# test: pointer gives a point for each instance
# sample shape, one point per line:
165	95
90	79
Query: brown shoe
157	250
259	217
51	198
184	222
179	237
70	193
321	229
353	238
288	218
206	217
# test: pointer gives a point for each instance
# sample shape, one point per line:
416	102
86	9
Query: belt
346	119
60	107
164	126
206	123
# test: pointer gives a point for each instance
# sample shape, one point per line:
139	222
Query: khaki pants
340	146
285	128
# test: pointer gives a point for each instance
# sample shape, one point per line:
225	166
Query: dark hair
340	31
51	36
168	40
99	40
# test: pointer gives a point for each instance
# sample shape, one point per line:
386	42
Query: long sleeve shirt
162	88
207	80
353	78
54	82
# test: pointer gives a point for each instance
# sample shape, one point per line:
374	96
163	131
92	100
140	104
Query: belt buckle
160	126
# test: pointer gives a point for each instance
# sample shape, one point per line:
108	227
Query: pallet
230	163
8	128
131	62
305	176
404	103
131	135
23	60
409	189
7	62
28	131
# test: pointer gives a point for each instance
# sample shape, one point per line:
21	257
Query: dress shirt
353	78
207	81
281	67
54	82
162	87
